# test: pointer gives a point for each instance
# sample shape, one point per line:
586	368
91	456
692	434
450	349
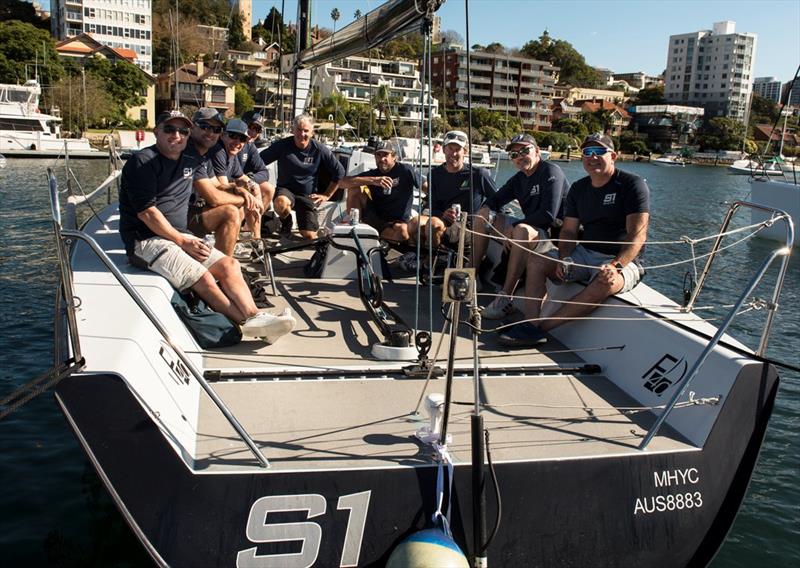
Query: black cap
522	140
253	117
236	126
172	115
598	139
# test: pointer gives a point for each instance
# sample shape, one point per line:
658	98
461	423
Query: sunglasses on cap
455	137
521	152
236	136
210	127
594	151
172	129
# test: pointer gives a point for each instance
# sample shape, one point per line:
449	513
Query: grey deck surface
343	420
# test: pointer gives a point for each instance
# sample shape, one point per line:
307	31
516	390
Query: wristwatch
618	266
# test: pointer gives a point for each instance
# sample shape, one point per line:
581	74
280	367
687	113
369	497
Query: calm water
54	511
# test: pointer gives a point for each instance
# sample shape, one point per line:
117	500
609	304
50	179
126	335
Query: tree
335	15
23	12
451	36
495	47
651	96
24	49
83	102
574	128
574	70
763	110
721	133
236	37
591	122
356	14
124	83
242	101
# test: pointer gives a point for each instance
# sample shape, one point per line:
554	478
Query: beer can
457	208
354	216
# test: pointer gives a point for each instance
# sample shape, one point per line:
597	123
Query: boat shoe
501	307
523	334
269	327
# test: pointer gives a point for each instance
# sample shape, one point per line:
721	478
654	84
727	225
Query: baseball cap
385	146
207	114
236	126
252	117
172	115
522	140
455	137
598	139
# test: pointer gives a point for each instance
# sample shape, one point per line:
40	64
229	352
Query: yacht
25	132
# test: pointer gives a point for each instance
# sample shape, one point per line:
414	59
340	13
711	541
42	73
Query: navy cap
522	140
253	117
207	114
236	126
598	139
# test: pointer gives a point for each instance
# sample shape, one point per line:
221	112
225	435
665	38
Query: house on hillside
619	118
197	86
764	132
83	46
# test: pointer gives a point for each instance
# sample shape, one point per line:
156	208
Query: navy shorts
305	210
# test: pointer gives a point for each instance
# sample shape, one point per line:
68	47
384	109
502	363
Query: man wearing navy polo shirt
613	207
387	206
300	158
154	202
538	186
449	186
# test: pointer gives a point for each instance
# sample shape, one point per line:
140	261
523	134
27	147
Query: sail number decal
683	478
308	533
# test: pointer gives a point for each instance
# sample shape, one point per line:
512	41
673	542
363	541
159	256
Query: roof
765	132
187	73
84	45
594	106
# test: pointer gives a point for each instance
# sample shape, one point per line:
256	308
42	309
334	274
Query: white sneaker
242	251
269	327
501	307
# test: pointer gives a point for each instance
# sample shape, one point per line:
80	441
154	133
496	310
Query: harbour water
55	511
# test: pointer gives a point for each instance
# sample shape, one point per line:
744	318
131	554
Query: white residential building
712	69
358	79
768	87
126	24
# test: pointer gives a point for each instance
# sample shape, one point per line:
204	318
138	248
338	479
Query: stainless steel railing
66	277
782	253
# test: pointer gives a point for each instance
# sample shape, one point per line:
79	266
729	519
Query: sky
622	35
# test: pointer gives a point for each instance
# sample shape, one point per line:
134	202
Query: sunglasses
211	127
523	152
455	137
236	136
594	151
172	129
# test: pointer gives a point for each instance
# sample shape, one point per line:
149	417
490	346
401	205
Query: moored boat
669	161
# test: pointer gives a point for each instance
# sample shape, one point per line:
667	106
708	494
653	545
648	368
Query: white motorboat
781	194
27	133
754	168
669	161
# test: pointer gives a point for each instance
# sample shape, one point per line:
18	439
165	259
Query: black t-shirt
297	169
252	164
448	189
205	166
151	179
539	194
225	164
394	204
603	210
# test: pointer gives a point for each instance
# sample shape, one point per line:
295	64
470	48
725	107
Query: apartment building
712	69
359	78
521	86
125	24
768	87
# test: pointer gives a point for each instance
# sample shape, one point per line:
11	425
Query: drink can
354	216
457	208
568	262
209	240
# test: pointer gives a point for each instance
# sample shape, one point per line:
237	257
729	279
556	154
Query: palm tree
335	15
357	14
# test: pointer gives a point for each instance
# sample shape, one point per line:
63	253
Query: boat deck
310	402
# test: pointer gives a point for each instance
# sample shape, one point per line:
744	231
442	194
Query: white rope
443	457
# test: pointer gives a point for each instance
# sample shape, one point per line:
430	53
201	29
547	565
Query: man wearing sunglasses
613	208
216	207
450	186
300	159
154	200
231	177
250	158
538	186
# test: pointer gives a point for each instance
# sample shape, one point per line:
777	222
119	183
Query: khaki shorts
166	258
632	274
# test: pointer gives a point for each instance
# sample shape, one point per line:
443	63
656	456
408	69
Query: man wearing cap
387	204
450	185
250	159
215	208
538	186
230	177
300	158
154	200
613	208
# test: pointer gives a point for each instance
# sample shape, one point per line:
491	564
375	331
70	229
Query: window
143	114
